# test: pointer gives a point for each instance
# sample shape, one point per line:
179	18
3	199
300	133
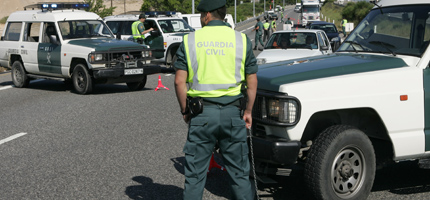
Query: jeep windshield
84	29
392	30
174	26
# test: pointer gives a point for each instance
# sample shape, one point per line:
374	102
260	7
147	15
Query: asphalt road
117	144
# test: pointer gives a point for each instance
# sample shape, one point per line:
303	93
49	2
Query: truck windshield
174	26
310	9
393	30
84	29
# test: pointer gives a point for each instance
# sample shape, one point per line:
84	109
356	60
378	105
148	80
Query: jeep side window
31	32
50	34
126	28
13	31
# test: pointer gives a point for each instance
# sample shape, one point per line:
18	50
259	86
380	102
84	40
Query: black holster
195	104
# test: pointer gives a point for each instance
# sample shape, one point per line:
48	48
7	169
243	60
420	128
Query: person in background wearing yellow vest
215	62
138	30
273	25
266	30
343	23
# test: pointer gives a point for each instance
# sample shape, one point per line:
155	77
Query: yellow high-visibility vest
135	30
216	61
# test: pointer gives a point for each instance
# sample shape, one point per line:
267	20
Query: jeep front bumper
275	150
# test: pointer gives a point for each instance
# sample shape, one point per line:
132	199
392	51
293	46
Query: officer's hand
187	118
247	117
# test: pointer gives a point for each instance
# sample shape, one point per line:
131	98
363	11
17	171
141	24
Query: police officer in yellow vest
343	23
138	30
266	30
215	61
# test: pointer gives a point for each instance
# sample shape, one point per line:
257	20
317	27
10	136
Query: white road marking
12	138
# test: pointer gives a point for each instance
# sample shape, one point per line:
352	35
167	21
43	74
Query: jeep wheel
82	81
340	164
19	76
135	86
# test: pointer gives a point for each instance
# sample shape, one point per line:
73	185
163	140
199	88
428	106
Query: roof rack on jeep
151	13
57	6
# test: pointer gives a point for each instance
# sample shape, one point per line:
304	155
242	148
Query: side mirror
118	35
324	48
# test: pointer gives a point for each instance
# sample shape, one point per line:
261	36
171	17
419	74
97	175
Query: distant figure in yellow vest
273	25
266	27
138	29
343	23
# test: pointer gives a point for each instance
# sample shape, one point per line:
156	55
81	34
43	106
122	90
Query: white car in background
292	44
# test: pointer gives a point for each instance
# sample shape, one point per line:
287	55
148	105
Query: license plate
133	71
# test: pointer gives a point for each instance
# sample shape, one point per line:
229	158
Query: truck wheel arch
74	62
364	119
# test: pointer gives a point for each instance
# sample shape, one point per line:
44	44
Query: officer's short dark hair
258	19
142	16
219	13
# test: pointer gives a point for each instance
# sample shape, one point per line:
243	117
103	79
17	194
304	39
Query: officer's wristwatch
187	111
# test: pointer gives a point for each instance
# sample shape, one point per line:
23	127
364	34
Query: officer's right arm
181	79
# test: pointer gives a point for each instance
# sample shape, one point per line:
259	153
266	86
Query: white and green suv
335	119
61	42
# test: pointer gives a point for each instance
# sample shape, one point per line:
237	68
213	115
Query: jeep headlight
278	109
282	110
261	61
94	57
146	54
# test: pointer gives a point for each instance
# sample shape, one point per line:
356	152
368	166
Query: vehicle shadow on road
402	178
150	190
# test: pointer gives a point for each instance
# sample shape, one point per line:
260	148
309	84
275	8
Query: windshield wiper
385	45
351	44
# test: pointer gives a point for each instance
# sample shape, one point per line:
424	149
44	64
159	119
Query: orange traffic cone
160	85
213	164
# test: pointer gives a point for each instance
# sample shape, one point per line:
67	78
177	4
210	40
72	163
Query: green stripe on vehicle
272	76
426	77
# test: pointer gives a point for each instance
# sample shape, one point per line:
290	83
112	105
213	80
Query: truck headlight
276	109
146	54
94	57
261	61
282	110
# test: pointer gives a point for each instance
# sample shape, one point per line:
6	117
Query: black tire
174	58
340	164
135	86
82	81
19	75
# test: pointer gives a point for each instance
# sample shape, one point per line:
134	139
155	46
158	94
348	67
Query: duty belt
234	103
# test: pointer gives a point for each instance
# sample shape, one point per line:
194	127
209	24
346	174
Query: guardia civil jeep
62	42
169	30
336	118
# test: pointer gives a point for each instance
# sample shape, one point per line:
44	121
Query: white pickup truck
335	119
60	41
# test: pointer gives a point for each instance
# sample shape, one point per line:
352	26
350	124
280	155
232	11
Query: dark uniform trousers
222	123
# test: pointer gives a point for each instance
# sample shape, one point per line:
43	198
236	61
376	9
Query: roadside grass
331	12
3	20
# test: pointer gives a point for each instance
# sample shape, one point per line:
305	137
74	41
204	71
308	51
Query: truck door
49	51
29	46
155	40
